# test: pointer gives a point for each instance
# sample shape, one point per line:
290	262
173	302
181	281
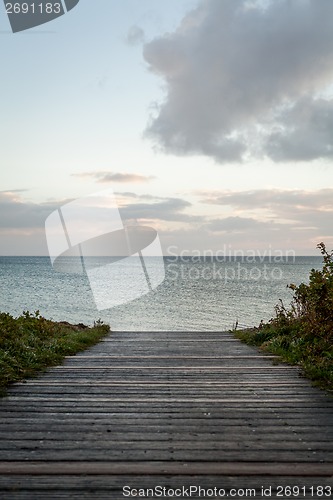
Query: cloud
303	132
287	220
105	176
20	214
276	199
135	36
169	209
11	191
234	224
22	222
22	225
259	218
294	209
232	66
130	195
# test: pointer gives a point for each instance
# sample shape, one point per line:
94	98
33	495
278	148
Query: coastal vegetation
302	333
31	343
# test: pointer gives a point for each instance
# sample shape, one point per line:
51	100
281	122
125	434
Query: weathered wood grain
171	407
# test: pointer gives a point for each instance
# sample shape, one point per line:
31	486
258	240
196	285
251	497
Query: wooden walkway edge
167	408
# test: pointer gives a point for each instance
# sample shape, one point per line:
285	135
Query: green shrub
303	333
312	304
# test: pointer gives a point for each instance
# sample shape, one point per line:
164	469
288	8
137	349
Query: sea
197	294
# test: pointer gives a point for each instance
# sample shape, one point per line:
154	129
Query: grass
314	357
30	343
303	333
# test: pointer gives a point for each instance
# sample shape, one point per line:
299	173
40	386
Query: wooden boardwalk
170	410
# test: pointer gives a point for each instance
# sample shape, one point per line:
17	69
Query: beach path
166	410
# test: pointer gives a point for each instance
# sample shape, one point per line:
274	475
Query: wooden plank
236	469
98	435
110	487
184	356
173	400
210	443
222	340
277	388
190	403
285	429
170	455
187	367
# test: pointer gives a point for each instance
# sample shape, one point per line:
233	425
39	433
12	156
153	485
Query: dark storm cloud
231	66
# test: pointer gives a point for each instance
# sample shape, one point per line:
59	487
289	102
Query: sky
211	120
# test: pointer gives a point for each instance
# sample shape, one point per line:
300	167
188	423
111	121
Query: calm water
197	294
